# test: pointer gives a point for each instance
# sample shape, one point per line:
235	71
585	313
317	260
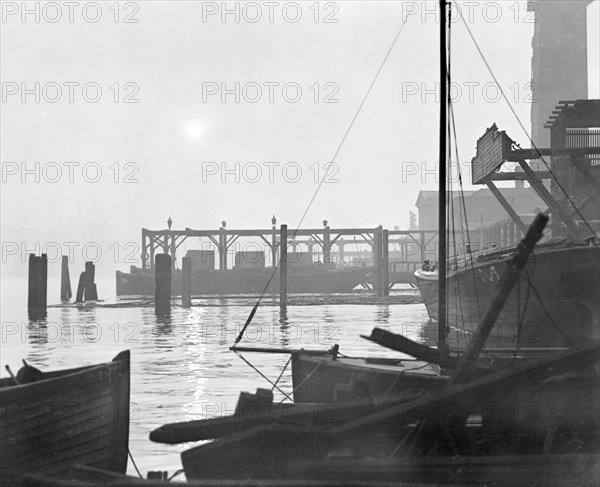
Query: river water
181	367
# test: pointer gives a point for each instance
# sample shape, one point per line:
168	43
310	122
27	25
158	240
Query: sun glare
195	131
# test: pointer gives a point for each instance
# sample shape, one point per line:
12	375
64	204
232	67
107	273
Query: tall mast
442	184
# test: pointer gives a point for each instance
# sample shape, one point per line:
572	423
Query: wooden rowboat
331	379
74	416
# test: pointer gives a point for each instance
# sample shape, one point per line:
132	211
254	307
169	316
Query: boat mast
442	184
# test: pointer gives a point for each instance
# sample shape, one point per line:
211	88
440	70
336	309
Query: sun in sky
195	130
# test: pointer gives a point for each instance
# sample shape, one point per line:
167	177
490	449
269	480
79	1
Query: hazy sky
179	136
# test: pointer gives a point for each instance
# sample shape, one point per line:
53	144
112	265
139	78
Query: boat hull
76	416
318	379
556	299
245	281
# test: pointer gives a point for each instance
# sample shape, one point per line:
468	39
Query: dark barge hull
245	281
556	299
75	416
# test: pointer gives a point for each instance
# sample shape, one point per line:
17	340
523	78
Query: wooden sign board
493	148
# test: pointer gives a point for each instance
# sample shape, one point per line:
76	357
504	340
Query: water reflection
181	366
383	313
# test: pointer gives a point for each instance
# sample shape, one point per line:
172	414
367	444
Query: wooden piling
65	280
43	282
222	249
162	284
90	292
283	269
186	282
377	238
385	264
274	243
80	288
326	245
32	283
37	286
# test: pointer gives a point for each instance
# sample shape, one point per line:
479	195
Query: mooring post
186	282
32	283
283	269
385	265
65	280
90	292
162	284
43	283
37	286
377	238
80	288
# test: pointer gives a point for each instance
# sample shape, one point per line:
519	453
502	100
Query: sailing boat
557	301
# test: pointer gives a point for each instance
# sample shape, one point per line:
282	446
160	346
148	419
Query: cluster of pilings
37	287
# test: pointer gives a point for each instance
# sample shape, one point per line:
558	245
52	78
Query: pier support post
90	292
385	265
423	247
283	270
274	242
326	245
186	282
162	284
377	239
173	249
222	247
65	280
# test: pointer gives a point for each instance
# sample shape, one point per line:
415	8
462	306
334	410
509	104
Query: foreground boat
561	280
332	379
74	416
318	279
535	415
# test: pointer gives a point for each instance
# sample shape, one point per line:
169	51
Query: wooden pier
393	255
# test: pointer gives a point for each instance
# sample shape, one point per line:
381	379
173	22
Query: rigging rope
337	151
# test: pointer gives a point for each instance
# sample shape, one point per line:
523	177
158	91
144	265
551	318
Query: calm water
181	368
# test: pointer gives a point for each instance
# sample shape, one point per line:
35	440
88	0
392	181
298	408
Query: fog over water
186	94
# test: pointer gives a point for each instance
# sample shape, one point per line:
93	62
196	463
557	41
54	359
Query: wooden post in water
32	283
377	238
385	264
186	282
162	284
283	269
80	288
37	286
43	283
90	293
65	280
